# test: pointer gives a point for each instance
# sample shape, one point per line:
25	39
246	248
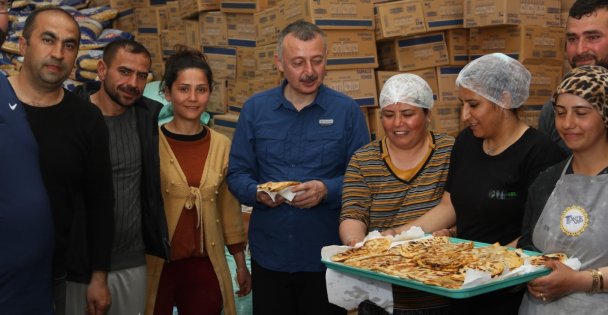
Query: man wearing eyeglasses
26	222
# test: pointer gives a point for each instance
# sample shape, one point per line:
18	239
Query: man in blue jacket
299	131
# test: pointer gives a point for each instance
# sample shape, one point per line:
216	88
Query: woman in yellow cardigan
202	215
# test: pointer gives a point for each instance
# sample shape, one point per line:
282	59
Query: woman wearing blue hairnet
493	162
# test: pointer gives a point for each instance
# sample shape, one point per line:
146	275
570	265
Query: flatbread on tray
435	260
371	248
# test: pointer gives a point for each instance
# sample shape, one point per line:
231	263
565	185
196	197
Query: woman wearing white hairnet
397	179
566	209
493	163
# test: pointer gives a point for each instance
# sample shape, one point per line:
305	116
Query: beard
114	97
600	62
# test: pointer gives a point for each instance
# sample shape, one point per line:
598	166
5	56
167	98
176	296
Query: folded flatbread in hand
276	186
281	188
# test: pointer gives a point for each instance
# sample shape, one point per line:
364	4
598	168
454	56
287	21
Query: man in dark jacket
140	225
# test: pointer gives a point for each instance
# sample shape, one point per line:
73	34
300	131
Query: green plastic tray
451	293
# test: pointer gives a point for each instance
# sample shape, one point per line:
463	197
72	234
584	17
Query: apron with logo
574	221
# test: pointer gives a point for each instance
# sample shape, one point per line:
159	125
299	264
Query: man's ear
22	45
277	62
101	70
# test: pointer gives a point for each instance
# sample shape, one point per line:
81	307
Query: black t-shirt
75	164
488	192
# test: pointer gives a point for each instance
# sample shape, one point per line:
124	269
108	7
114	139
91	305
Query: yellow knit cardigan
218	210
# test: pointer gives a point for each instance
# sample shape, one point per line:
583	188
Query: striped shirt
373	194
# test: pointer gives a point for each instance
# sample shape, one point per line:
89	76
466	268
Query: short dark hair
30	21
581	8
302	30
184	58
129	45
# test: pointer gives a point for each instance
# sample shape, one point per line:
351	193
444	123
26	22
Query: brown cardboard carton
446	82
192	33
479	13
445	118
443	14
349	49
126	21
148	21
376	130
161	17
241	29
174	21
222	60
387	56
218	100
158	70
169	39
421	51
225	124
153	44
328	14
545	79
264	81
120	5
245	63
191	8
528	44
566	5
356	83
266	23
530	113
213	28
243	6
238	93
146	3
264	59
458	46
399	18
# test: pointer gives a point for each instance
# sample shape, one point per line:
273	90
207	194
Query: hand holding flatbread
274	193
309	194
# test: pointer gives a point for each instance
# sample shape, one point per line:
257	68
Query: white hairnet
406	88
497	77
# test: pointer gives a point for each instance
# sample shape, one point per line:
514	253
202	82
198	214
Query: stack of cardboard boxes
368	41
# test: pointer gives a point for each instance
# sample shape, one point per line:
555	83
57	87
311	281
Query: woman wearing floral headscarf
493	163
567	208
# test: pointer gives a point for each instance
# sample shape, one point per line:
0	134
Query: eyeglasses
5	6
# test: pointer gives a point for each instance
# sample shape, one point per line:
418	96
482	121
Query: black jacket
154	223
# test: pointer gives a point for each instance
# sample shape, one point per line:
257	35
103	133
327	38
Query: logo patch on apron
574	221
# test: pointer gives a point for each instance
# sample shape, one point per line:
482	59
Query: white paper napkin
286	193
